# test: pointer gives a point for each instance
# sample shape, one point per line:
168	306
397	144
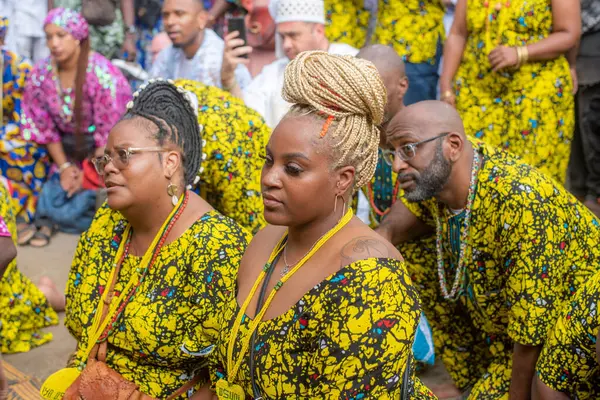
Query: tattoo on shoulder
363	247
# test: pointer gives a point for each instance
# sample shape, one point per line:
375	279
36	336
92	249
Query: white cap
297	11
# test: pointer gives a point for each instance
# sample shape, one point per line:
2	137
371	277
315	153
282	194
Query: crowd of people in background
433	166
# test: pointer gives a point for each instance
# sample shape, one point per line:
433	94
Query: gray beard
432	180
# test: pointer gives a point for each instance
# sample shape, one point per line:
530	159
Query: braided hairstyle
173	112
348	95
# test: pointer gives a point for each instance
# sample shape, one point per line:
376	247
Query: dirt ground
55	261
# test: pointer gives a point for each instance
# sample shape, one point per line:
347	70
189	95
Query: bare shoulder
365	243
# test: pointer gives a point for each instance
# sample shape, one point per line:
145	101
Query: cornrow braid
348	94
173	113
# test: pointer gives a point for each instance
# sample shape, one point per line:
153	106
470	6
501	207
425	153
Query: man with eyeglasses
511	247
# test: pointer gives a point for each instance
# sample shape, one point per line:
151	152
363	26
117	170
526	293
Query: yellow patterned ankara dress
348	337
529	111
346	21
24	310
235	138
161	339
412	27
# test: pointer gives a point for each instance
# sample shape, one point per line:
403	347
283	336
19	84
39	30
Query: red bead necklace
157	250
372	198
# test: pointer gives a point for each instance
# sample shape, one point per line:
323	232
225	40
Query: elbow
573	36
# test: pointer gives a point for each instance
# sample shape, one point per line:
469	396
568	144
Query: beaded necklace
459	276
371	194
226	387
380	194
146	269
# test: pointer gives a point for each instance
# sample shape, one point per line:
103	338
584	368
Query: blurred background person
22	166
505	69
301	26
196	52
584	166
26	309
70	103
415	29
111	35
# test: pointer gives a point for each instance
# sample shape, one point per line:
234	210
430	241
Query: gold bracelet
524	54
519	57
446	95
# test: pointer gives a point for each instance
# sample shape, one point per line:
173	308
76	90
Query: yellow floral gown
531	244
412	27
530	111
24	310
164	333
348	337
568	361
347	21
235	138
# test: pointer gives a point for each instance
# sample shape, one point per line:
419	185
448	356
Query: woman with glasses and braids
323	307
150	275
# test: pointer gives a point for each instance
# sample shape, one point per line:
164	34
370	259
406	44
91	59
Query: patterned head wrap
3	27
69	20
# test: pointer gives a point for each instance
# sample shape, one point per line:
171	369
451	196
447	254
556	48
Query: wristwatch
132	29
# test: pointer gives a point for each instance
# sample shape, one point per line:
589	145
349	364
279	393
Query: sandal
25	233
41	238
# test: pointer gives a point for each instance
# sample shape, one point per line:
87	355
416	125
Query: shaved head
426	119
391	69
385	58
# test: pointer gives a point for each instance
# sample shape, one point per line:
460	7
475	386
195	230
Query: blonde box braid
347	92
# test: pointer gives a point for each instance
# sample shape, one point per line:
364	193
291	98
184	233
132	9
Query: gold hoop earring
335	203
172	191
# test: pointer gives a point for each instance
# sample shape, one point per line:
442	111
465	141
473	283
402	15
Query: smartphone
238	24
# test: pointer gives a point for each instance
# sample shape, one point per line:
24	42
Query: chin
116	202
277	217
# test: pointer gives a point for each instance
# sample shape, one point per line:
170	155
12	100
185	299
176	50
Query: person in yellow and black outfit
234	139
512	246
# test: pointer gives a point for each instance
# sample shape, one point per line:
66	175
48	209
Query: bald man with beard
511	248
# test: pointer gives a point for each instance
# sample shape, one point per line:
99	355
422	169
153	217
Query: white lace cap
297	11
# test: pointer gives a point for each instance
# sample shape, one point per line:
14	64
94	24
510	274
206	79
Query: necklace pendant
229	391
285	270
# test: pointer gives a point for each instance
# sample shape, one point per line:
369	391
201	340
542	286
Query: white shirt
264	93
204	67
29	17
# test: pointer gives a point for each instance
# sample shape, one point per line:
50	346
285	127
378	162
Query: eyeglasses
407	151
122	157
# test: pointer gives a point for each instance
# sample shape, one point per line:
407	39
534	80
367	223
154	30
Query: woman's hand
71	180
447	94
574	79
503	57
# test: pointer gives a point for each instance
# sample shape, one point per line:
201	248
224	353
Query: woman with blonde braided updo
344	324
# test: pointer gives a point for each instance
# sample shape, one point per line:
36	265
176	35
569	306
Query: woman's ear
345	179
171	163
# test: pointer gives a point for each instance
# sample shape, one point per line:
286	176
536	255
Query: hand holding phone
238	24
